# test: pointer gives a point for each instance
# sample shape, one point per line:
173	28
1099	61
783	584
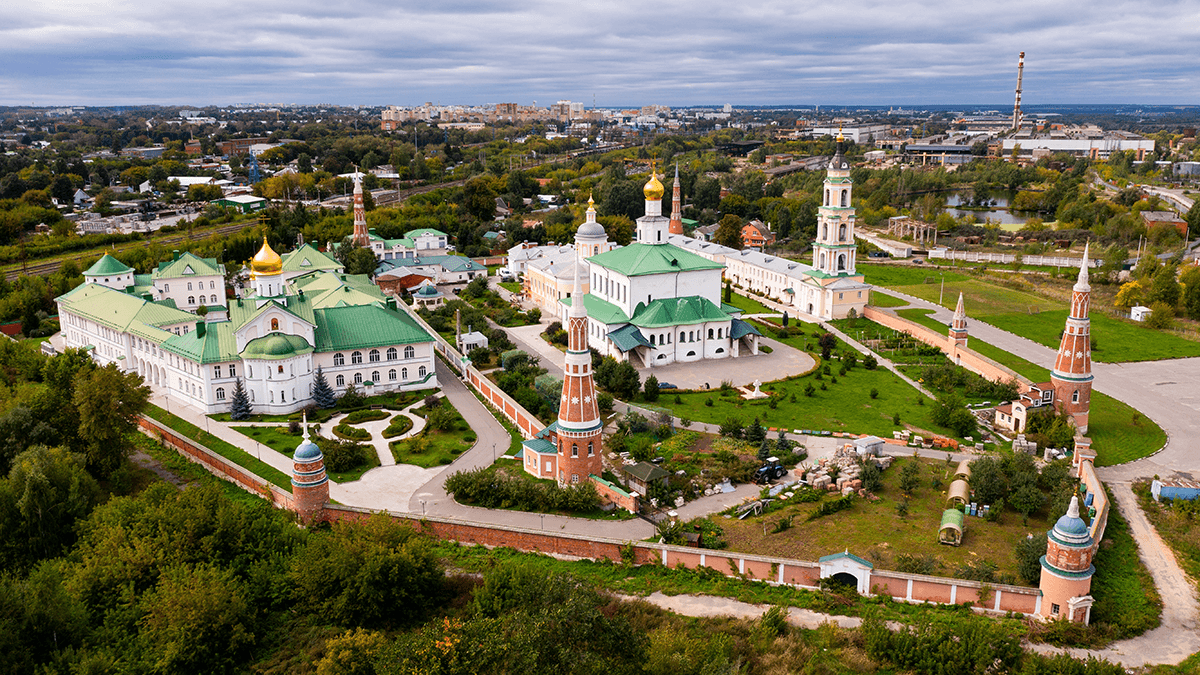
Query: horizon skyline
87	52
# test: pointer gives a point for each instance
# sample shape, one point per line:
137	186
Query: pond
994	207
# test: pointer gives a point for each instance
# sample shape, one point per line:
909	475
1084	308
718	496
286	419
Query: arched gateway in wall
845	566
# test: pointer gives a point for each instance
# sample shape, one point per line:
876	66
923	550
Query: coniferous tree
239	408
322	393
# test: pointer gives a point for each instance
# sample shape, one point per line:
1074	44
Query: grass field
843	406
748	305
921	315
863	527
228	451
1117	340
511	286
908	275
879	299
1176	524
279	440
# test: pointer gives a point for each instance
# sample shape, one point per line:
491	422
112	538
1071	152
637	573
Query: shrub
341	455
481	487
360	416
351	433
399	426
874	393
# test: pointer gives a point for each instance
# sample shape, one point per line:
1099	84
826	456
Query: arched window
339	359
392	375
682	336
189	285
374	356
355	357
220	393
404	374
826	197
710	333
841	262
212	299
212	284
845	198
842	232
591	450
825	231
822	258
574	450
719	331
1075	396
358	378
409	352
280	371
274	324
341	380
191	299
652	339
375	376
391	354
421	371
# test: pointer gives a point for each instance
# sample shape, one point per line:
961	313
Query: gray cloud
672	52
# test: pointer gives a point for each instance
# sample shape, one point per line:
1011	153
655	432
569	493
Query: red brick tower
578	432
958	327
1072	375
675	226
1067	569
310	485
360	214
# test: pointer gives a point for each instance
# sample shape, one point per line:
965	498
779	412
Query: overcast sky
672	52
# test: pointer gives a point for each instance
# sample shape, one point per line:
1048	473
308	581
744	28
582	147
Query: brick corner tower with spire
676	224
361	236
578	436
310	483
958	326
1072	375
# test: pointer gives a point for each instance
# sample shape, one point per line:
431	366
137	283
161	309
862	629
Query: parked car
666	385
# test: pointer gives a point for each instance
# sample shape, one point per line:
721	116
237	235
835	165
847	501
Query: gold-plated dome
266	261
654	188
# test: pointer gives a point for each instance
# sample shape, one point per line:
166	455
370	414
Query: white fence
1007	258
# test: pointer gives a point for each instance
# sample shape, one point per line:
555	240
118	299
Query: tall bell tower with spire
1072	374
361	237
577	438
834	251
653	228
676	224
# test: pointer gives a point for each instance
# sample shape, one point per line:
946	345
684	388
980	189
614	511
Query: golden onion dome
654	188
266	261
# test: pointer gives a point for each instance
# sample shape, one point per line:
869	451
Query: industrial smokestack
1016	122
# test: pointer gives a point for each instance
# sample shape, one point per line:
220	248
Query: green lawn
844	406
879	299
511	286
863	527
228	451
432	448
982	296
921	316
908	275
1117	340
280	440
748	305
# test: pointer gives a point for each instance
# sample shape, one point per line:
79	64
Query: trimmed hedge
360	416
351	433
399	426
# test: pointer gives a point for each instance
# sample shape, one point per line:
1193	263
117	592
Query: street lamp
493	453
422	507
543	521
942	292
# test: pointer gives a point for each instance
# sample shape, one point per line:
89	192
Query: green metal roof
540	446
423	232
601	310
276	346
846	554
677	311
217	345
628	337
308	258
118	310
641	259
739	329
243	311
646	472
188	265
364	326
107	266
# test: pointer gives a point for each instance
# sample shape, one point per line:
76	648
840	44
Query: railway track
42	268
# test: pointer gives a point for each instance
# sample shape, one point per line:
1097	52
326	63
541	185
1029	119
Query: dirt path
149	463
